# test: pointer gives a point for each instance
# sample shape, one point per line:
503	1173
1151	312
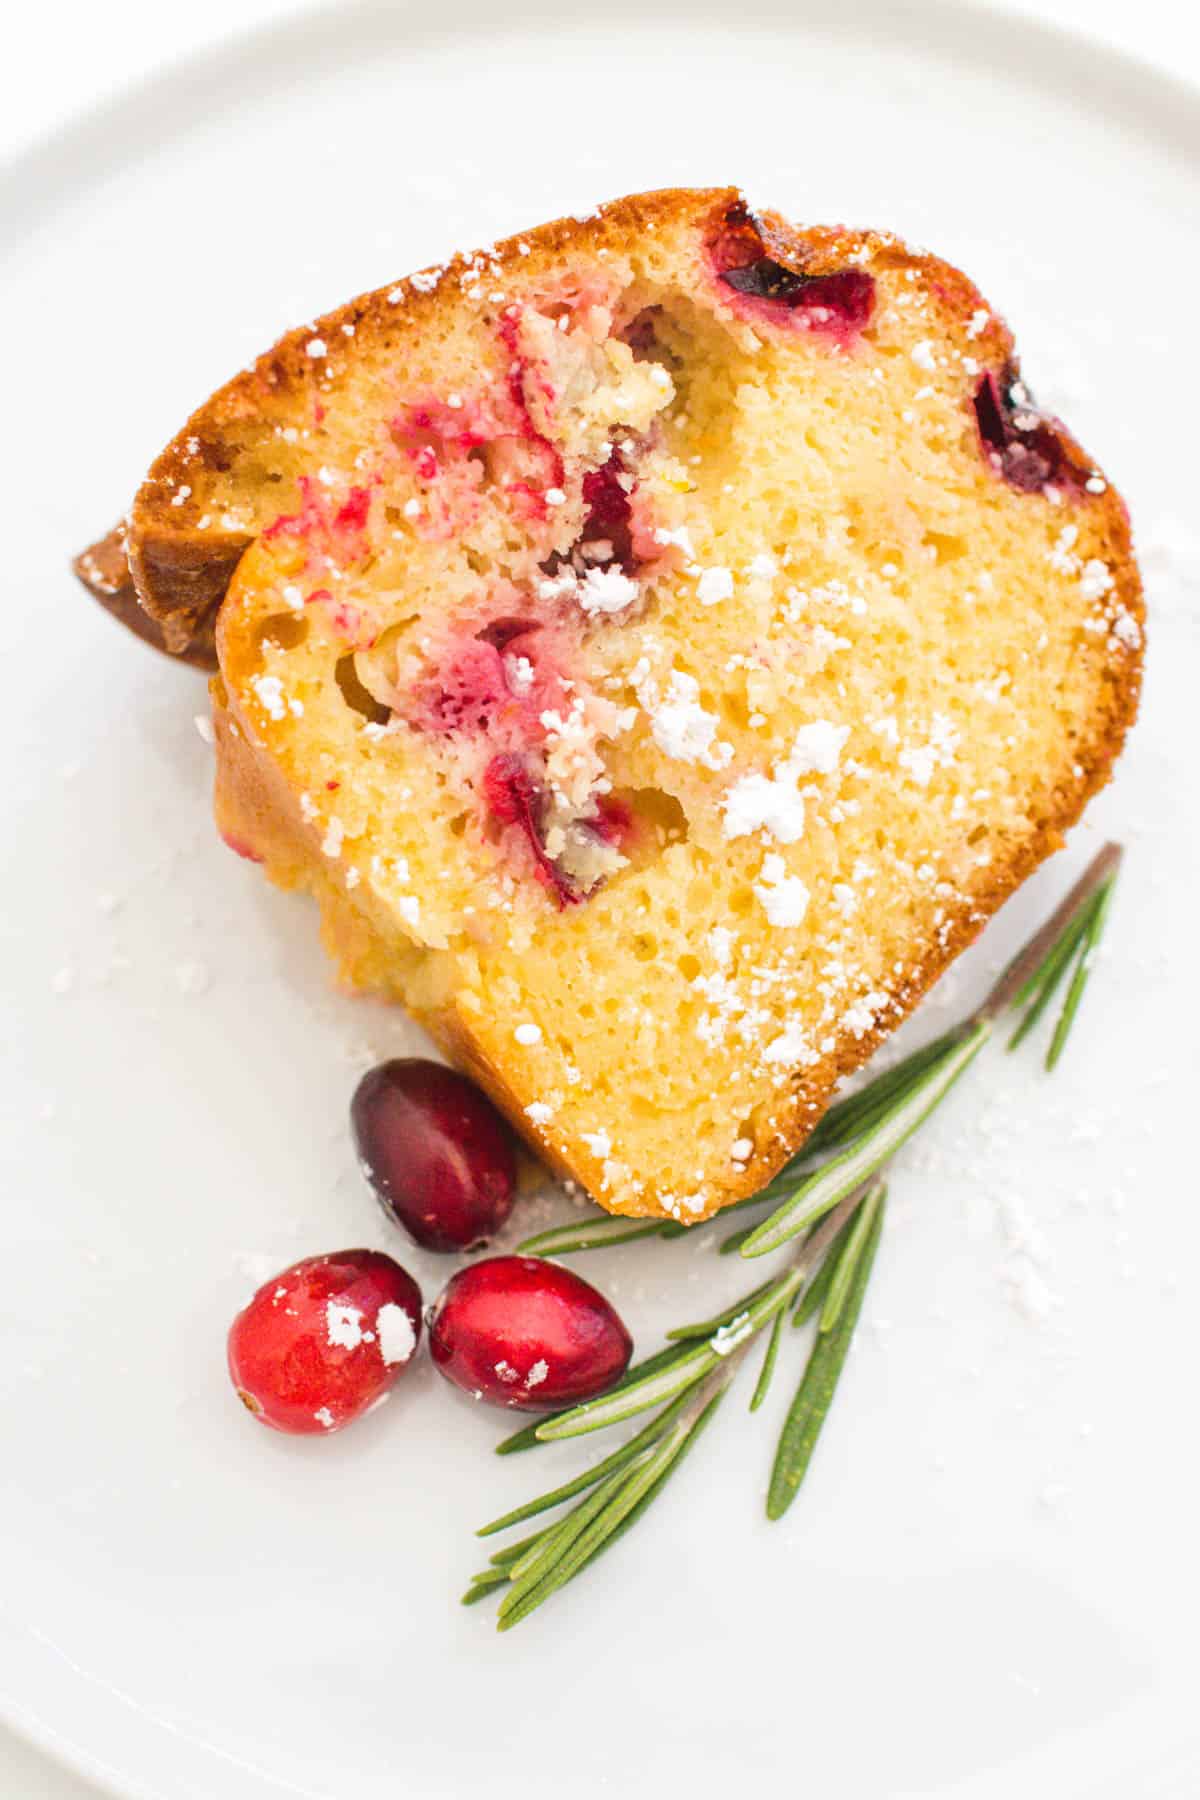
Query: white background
71	56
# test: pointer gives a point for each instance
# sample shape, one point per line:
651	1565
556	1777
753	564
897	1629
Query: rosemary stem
1028	961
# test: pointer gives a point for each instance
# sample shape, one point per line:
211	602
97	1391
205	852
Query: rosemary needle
770	1357
1049	981
589	1477
859	1233
819	1383
1083	968
814	1294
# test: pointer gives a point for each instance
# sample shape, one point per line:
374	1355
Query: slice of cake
659	642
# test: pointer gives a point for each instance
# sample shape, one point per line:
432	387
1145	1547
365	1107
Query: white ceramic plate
989	1584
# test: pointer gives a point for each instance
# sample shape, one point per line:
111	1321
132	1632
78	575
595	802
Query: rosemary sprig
692	1375
820	1191
839	1208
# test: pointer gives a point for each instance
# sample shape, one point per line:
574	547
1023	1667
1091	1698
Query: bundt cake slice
659	642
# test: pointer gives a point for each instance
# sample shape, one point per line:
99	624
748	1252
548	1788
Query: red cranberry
613	823
513	795
609	515
521	1332
843	300
324	1340
436	1152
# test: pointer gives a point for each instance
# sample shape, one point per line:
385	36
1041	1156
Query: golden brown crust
103	568
182	565
195	569
181	559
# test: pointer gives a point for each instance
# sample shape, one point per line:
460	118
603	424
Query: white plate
989	1585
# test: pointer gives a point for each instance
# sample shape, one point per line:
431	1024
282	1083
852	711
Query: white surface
988	1585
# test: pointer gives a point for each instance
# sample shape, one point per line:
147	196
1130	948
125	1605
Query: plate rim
40	175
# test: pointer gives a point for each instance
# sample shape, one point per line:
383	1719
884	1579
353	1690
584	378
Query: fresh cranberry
521	1332
436	1151
1021	445
324	1340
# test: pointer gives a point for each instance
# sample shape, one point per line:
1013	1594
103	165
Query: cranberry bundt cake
659	642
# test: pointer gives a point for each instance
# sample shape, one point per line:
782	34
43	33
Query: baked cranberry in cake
841	301
1021	443
836	302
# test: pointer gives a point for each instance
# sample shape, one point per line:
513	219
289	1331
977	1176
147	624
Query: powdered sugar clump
818	747
679	538
774	803
784	898
790	1047
606	591
720	942
680	726
714	586
343	1324
770	803
269	692
397	1339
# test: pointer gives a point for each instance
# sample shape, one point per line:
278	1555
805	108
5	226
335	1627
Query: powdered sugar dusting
343	1325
